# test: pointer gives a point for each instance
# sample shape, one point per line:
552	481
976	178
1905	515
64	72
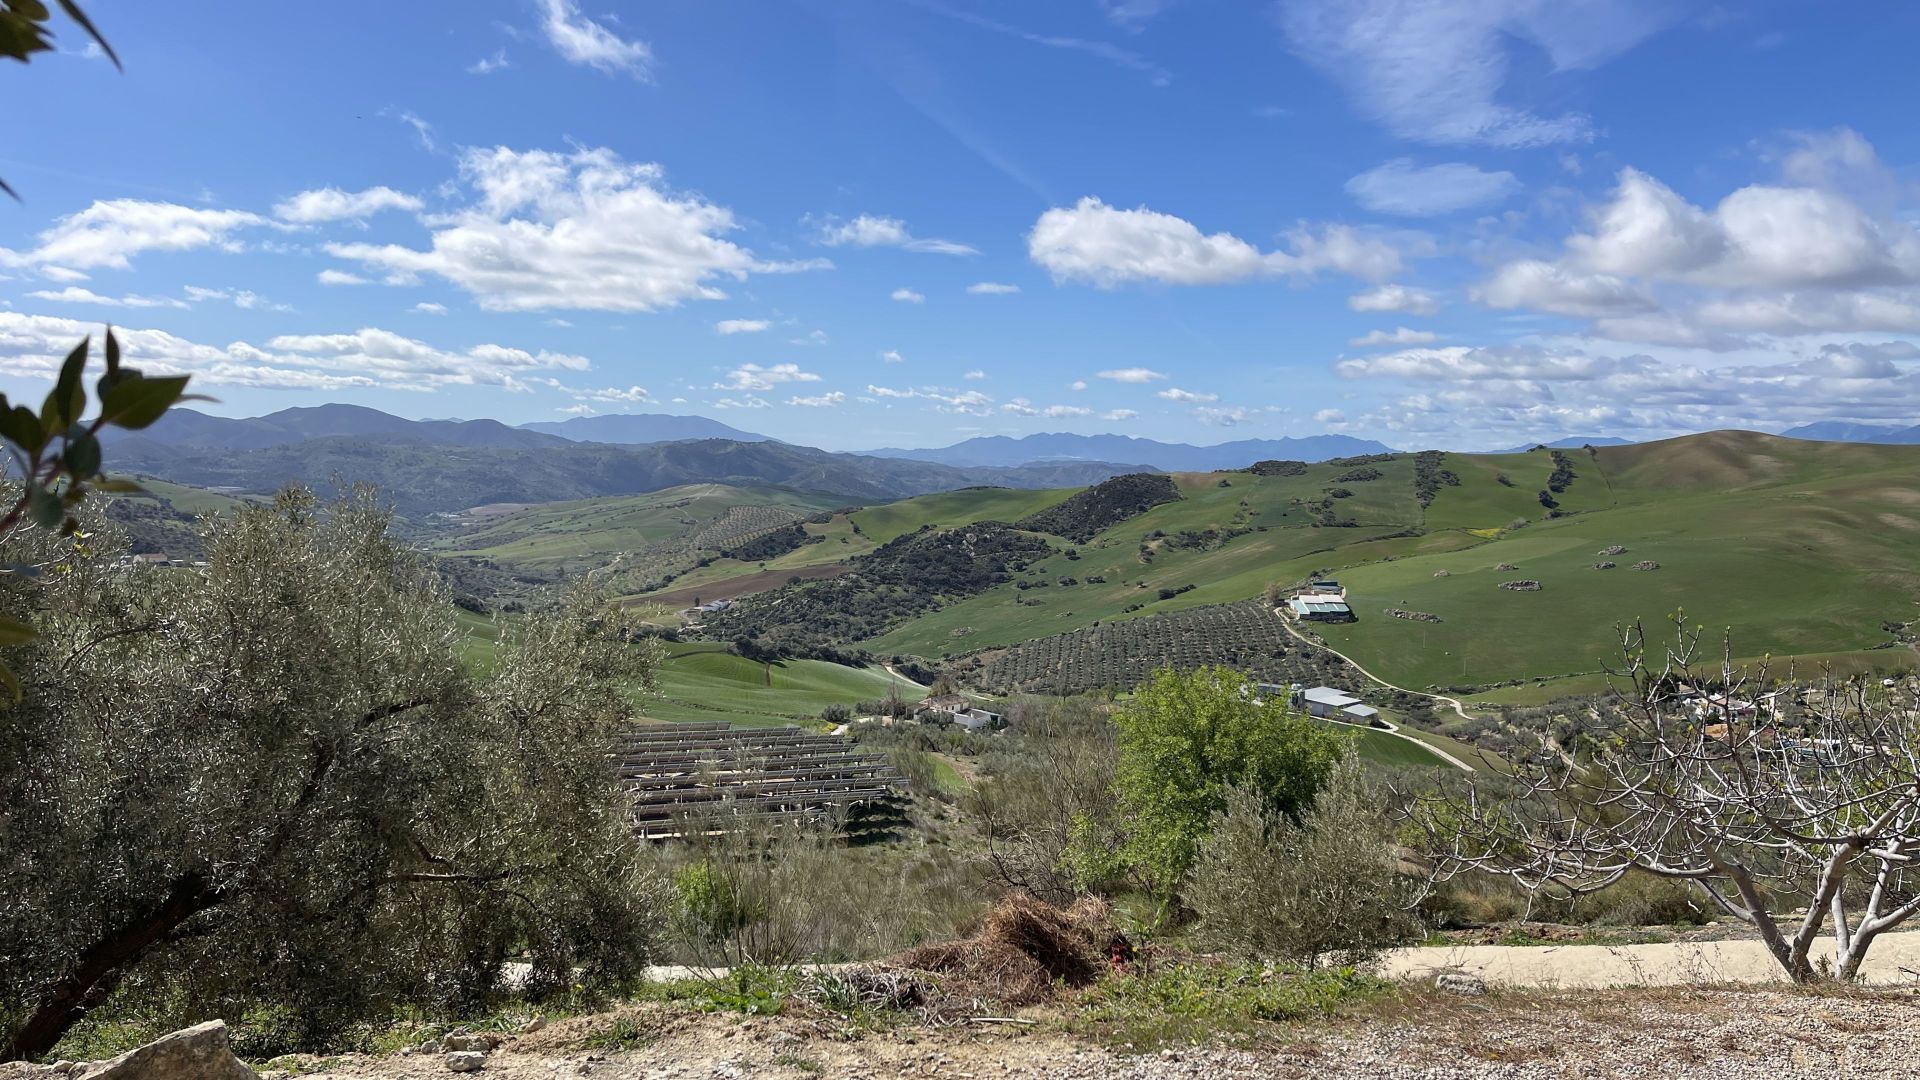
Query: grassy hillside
589	532
702	681
949	508
1797	547
1800	547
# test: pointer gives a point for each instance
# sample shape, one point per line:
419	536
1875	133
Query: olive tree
1802	822
272	780
1324	888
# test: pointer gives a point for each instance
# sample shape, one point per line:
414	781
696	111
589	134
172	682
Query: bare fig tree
1793	807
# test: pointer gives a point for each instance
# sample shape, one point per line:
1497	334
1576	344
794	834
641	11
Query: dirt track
1894	961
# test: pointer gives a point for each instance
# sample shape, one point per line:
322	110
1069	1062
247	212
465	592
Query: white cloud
975	375
1077	384
583	41
370	358
755	377
487	65
582	409
340	277
747	402
1330	416
333	204
1108	247
1653	268
1020	407
991	288
965	402
740	326
1397	336
812	337
631	395
1759	235
1543	286
868	230
245	299
1129	375
428	307
826	400
1513	393
1394	298
907	296
582	230
1401	187
110	232
892	356
1224	416
1174	393
1061	411
1118	415
1433	71
74	294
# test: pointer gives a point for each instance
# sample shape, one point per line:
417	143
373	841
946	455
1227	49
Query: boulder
196	1053
466	1061
1460	982
466	1041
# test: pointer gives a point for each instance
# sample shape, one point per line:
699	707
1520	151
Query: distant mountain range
1004	451
423	477
187	427
637	428
1841	431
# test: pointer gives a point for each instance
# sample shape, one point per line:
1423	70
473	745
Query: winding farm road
1392	729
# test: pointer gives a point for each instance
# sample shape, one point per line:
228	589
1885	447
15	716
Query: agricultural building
1325	701
1321	607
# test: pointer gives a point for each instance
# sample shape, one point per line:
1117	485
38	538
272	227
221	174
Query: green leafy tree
55	453
1185	739
274	782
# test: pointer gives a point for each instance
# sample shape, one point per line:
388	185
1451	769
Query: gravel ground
1762	1034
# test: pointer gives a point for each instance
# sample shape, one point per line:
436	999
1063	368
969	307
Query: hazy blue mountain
641	428
1004	451
190	428
1841	431
1571	442
426	478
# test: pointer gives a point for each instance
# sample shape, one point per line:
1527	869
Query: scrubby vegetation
1103	505
903	578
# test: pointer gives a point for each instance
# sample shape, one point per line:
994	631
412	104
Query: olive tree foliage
1320	889
1186	739
1803	826
1047	807
272	780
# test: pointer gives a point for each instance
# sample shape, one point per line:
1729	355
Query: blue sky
861	223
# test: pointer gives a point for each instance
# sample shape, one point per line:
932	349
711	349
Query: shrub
1320	889
1185	740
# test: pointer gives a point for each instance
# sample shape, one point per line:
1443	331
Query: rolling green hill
1798	547
702	681
589	532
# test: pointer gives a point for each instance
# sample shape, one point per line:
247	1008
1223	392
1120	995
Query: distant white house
1331	704
960	711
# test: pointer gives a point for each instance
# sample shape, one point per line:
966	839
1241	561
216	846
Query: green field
589	532
947	509
702	681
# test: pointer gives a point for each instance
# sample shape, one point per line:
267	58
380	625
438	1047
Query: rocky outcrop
1520	586
196	1053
